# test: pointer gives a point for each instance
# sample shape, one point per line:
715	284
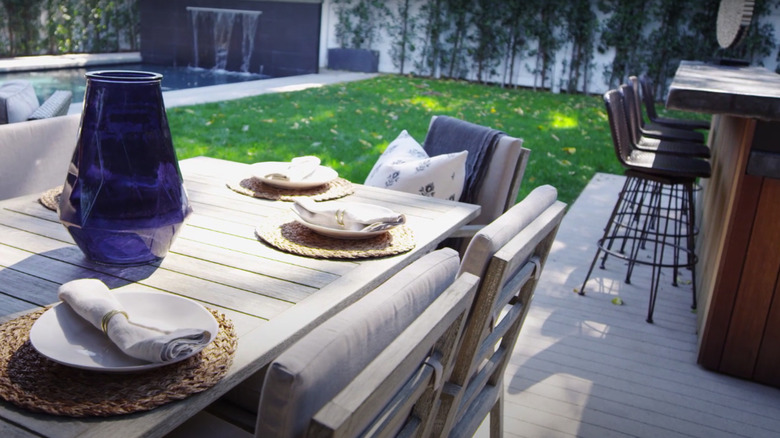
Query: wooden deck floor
588	368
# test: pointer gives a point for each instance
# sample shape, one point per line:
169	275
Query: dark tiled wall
286	41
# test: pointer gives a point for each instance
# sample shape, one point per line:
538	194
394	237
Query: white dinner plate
63	336
335	232
321	175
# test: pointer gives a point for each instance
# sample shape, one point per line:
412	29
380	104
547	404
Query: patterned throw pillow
406	167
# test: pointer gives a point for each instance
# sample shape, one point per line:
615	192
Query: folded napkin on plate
92	300
345	215
297	170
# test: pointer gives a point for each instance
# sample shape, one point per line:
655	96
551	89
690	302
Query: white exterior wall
522	67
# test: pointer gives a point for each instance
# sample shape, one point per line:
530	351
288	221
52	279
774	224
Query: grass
349	125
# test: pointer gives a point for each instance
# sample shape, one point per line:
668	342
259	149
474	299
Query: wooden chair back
397	393
504	296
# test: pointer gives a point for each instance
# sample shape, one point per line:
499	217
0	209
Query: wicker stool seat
654	213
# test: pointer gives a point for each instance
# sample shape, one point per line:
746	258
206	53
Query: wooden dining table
271	296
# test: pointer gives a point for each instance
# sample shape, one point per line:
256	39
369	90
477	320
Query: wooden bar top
750	92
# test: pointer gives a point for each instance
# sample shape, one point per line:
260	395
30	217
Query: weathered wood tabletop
272	297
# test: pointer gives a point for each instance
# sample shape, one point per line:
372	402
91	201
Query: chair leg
691	240
607	229
658	255
496	418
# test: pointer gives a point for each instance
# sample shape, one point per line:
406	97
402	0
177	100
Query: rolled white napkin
92	300
298	169
345	215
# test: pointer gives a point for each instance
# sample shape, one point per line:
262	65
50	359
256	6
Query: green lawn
349	125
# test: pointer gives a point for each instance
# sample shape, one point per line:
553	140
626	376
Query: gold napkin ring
107	318
340	217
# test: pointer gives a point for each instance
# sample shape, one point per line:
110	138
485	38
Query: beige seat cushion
311	372
17	101
495	235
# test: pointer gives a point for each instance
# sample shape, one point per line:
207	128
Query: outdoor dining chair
502	168
648	97
375	367
508	255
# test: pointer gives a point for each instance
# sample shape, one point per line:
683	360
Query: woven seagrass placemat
51	198
31	381
288	235
338	188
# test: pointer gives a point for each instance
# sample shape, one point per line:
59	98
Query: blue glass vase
123	200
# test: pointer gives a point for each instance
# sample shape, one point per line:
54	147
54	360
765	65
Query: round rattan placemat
31	381
51	198
288	235
338	188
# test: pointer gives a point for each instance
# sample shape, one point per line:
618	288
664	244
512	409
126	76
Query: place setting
337	230
100	352
286	181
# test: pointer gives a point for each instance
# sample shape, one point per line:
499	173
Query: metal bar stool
652	142
648	97
654	212
656	130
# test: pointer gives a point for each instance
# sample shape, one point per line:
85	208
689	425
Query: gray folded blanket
447	134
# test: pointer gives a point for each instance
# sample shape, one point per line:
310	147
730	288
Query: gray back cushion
316	368
496	234
498	179
17	101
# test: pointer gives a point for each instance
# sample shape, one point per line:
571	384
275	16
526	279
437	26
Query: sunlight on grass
348	126
561	121
428	103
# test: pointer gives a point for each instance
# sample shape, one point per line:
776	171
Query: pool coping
71	60
190	96
217	93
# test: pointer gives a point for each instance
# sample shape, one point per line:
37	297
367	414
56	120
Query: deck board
585	367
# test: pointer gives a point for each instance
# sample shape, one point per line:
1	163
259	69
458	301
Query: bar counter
739	214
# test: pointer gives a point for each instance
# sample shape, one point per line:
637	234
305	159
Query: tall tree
624	31
515	21
580	30
545	29
23	25
488	39
458	12
402	30
434	18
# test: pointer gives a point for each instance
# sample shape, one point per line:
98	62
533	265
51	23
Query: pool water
47	82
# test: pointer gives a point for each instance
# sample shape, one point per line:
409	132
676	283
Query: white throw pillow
406	167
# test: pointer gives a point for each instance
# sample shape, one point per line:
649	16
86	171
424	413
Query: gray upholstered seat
508	255
419	310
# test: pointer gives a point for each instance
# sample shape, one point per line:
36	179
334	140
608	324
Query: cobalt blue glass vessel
123	200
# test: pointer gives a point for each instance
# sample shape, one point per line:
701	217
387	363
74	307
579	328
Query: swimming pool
46	82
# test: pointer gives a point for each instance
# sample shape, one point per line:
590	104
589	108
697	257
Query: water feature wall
219	23
275	38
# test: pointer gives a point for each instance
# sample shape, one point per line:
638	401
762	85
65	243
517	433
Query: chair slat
503	299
